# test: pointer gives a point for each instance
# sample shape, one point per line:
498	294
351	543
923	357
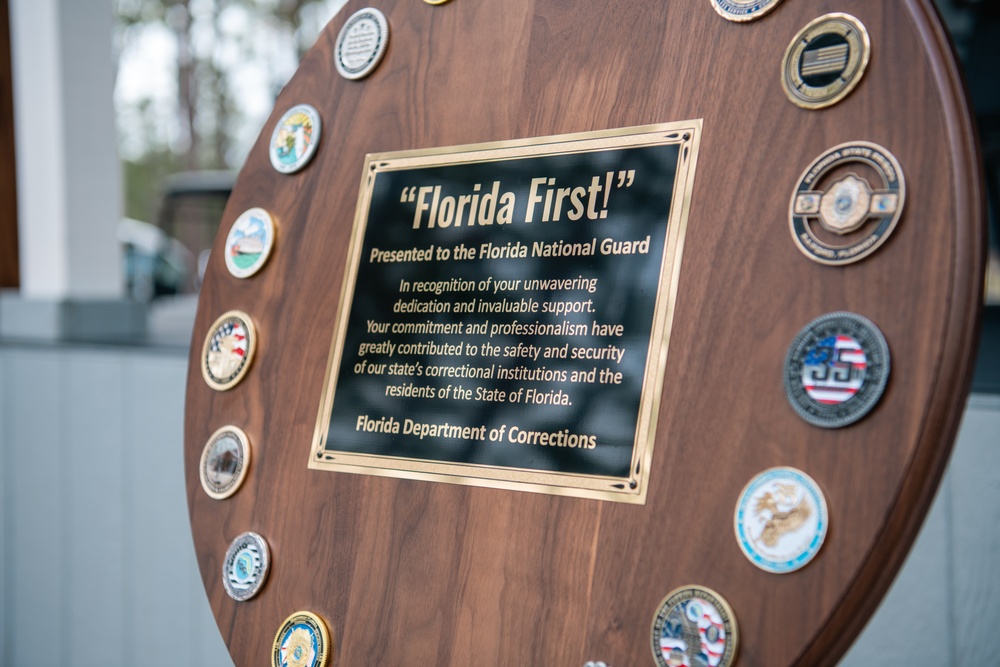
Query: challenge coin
245	568
781	520
249	242
694	626
224	462
361	43
851	207
825	61
295	139
302	641
836	369
228	350
743	10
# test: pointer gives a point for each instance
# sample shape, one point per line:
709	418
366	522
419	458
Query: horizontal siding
96	543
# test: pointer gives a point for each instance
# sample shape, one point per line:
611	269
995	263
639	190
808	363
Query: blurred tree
229	58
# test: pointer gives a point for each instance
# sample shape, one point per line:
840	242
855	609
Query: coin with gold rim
840	218
435	2
694	625
224	462
743	10
228	350
825	61
301	641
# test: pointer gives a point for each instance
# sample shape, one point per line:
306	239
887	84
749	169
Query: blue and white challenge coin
249	242
838	218
302	641
836	369
295	139
224	462
781	520
694	627
743	10
245	568
361	43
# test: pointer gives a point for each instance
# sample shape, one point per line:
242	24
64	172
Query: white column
68	172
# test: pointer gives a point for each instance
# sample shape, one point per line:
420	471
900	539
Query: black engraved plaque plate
506	312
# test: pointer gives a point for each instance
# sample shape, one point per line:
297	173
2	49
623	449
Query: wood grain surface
417	573
9	260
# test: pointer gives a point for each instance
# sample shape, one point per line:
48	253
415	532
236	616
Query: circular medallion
435	2
224	462
781	520
743	10
694	627
825	61
245	568
361	43
249	242
836	369
845	218
302	641
295	139
228	350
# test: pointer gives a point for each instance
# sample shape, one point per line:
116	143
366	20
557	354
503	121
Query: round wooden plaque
411	571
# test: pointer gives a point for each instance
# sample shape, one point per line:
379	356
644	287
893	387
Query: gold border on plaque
687	135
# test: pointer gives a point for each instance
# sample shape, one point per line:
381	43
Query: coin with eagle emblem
694	627
245	567
228	350
301	641
781	520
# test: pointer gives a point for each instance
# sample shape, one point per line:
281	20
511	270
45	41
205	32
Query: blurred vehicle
170	256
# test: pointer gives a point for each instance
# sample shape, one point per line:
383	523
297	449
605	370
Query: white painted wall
98	566
68	173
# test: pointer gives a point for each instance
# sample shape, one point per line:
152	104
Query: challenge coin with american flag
825	61
694	627
228	350
836	369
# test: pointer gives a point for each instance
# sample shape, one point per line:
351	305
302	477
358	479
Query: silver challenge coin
245	568
836	369
224	462
361	44
743	10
